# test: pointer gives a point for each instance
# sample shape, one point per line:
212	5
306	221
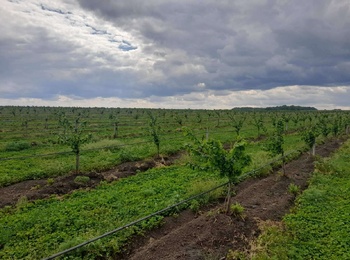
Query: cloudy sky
207	54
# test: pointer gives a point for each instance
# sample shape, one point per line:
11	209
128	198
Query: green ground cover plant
319	226
33	230
44	227
94	157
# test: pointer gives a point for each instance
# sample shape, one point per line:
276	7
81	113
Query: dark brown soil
40	189
212	233
208	234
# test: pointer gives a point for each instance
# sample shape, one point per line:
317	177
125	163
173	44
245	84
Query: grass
95	157
319	226
40	137
35	230
44	227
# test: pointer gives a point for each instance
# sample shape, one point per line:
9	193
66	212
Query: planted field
319	226
213	234
33	141
37	229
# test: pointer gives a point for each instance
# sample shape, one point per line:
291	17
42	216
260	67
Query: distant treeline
277	108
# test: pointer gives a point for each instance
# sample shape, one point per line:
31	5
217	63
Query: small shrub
103	183
195	205
324	167
293	189
36	187
175	215
202	186
50	181
22	202
82	179
17	146
265	171
237	210
127	156
213	213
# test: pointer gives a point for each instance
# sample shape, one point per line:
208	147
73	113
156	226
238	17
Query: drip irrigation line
105	124
242	177
82	151
113	146
133	223
123	145
250	173
33	156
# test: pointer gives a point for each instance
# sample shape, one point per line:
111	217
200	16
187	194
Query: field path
44	188
210	234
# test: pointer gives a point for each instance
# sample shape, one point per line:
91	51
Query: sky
200	54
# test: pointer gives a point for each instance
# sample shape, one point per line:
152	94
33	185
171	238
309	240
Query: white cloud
56	41
184	53
319	97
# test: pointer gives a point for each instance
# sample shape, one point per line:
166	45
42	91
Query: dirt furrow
212	233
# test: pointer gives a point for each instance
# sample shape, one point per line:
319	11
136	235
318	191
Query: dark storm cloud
243	44
101	83
47	50
224	51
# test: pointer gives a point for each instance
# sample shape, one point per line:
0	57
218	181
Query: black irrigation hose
92	149
33	156
122	127
132	223
85	150
248	174
110	124
105	147
160	211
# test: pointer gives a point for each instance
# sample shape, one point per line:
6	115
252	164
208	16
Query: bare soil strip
40	189
207	235
210	234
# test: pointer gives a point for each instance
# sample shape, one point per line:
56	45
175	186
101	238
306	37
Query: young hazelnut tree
74	137
309	137
275	143
336	125
323	126
286	118
115	121
154	130
258	122
210	155
237	122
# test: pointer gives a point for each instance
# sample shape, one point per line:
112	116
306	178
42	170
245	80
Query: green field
34	230
319	226
30	147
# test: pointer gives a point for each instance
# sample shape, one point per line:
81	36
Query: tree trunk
228	199
283	166
313	149
115	131
77	159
